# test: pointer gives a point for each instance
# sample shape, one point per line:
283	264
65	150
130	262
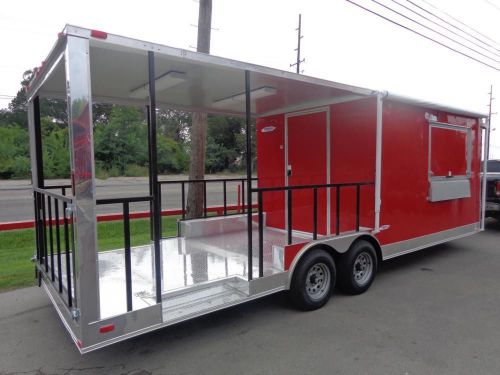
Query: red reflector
108	328
79	343
98	34
497	188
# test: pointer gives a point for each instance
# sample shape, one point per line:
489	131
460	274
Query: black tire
313	280
358	281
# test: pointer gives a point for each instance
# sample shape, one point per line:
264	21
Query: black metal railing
289	207
51	212
227	209
125	202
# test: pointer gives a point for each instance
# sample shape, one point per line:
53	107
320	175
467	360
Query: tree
119	142
14	152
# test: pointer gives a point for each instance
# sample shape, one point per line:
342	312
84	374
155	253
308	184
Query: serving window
449	161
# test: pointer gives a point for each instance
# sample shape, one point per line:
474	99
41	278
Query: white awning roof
193	81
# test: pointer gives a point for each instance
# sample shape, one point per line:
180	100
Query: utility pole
299	37
199	123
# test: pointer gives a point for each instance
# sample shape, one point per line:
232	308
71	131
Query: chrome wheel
318	281
363	269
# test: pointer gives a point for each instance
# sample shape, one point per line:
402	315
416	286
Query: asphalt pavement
16	202
436	311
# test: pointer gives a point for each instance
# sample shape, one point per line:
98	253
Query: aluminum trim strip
418	243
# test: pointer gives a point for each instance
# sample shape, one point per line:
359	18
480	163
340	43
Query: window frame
468	144
444	188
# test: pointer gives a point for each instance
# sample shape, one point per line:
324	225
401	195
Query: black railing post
51	239
289	217
183	197
44	231
357	207
261	234
68	260
160	205
224	188
58	245
37	226
249	171
337	212
128	263
315	213
154	177
205	198
243	196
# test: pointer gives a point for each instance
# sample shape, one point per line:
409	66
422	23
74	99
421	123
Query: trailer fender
336	245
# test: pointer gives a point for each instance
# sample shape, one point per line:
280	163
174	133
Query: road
16	201
431	312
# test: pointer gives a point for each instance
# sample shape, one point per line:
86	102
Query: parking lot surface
432	312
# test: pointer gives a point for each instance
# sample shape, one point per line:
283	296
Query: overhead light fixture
165	81
259	93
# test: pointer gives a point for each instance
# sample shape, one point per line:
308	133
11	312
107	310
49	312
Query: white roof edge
433	105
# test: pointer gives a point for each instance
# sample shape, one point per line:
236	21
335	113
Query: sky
341	42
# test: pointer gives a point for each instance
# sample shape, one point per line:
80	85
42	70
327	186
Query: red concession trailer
346	177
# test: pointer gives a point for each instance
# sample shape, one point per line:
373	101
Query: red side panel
307	146
271	166
405	184
291	252
353	132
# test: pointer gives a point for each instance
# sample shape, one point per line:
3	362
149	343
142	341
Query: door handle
288	170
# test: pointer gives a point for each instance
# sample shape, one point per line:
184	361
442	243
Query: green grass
18	246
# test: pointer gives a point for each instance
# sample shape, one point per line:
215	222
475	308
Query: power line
433	30
444	27
423	35
463	24
456	27
492	4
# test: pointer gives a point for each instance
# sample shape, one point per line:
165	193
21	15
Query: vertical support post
150	175
38	159
84	227
378	162
128	262
154	176
261	234
249	172
37	179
